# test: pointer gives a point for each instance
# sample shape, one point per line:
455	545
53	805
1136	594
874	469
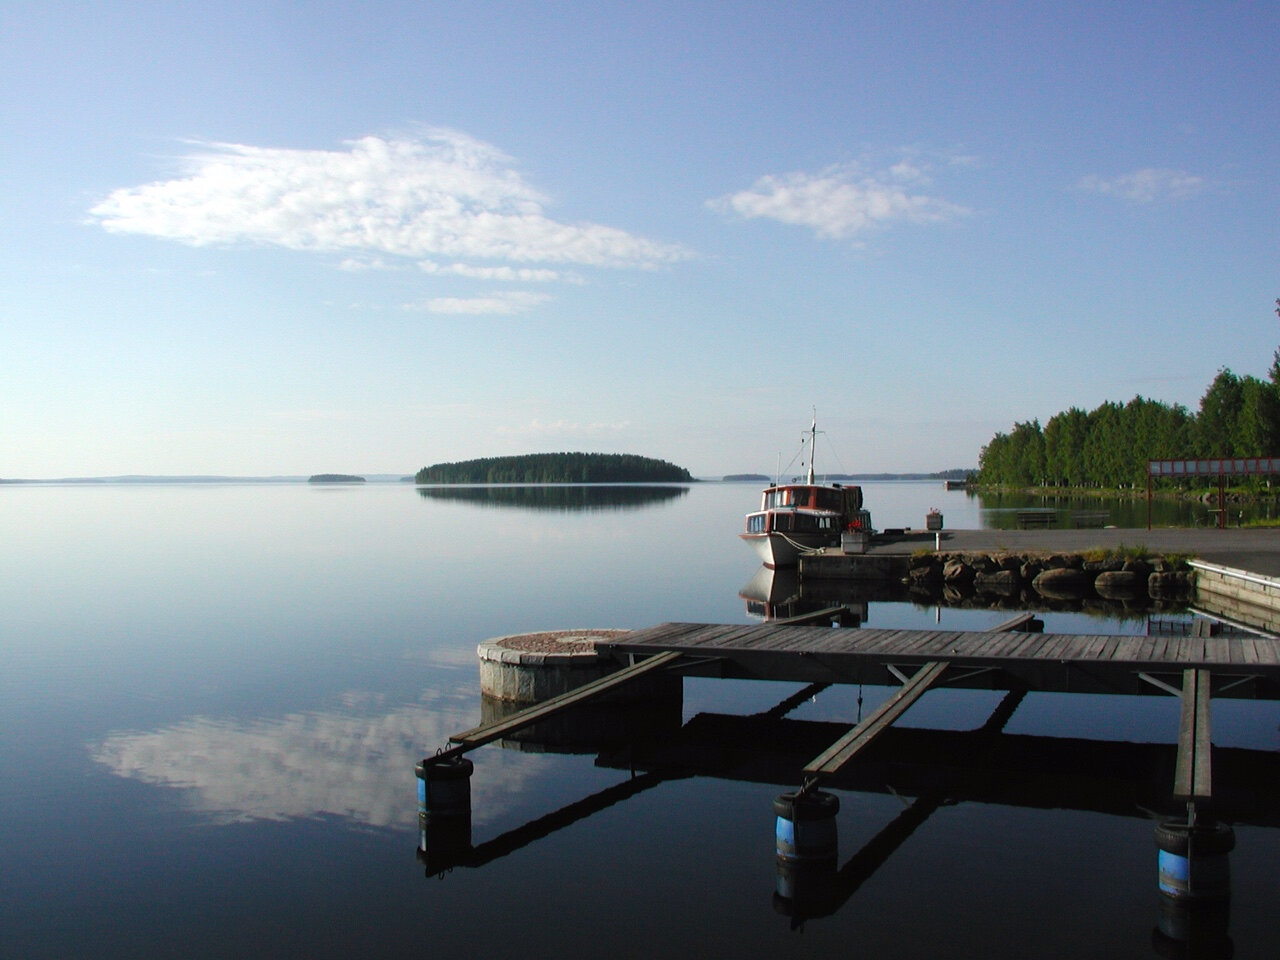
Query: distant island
335	478
557	468
958	473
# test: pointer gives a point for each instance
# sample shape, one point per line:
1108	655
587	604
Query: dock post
807	846
1193	863
1195	887
444	811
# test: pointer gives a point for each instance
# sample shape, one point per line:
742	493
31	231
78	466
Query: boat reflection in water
774	596
567	497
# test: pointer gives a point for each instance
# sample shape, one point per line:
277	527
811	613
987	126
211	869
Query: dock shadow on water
925	773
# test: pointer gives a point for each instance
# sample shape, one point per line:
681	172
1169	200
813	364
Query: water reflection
558	497
347	762
778	595
999	510
927	769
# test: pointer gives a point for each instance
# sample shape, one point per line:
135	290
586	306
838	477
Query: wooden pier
1244	667
1008	657
984	764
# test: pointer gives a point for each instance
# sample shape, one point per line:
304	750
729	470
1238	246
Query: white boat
797	517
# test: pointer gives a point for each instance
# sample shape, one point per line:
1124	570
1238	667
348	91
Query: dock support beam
487	733
844	749
1193	775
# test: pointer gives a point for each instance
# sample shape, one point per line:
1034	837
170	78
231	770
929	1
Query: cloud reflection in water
350	762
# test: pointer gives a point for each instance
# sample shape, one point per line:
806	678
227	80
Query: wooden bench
1090	518
1036	518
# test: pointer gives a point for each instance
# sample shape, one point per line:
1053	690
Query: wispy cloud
442	194
500	303
843	201
509	274
1149	185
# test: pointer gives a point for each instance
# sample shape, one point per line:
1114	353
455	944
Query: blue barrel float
807	845
444	811
1193	863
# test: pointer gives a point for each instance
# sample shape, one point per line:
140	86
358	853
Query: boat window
829	500
755	523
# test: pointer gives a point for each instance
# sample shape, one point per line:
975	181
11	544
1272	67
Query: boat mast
813	443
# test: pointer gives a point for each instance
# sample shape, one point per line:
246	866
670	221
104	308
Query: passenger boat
797	517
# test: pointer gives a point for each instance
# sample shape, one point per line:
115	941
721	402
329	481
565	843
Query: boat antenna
813	442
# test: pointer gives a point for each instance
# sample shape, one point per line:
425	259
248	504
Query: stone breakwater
1055	576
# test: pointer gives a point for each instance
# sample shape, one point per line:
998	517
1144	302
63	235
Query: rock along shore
1054	576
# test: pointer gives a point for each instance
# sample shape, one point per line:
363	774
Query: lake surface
212	698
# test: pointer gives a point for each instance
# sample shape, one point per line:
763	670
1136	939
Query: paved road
1256	549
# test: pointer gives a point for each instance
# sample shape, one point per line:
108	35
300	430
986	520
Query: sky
285	238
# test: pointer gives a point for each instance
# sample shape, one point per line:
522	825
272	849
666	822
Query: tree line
556	468
1110	445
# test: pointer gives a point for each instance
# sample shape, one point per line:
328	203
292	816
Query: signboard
1220	467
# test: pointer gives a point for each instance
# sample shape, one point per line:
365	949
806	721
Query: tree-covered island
556	468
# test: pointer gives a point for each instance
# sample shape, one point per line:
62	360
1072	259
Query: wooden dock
1008	657
1244	667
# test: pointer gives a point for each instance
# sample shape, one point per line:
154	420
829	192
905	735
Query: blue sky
287	238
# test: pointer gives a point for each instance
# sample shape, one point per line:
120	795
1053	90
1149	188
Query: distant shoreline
376	478
140	479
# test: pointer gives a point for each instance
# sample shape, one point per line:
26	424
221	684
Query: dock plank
809	653
1193	774
843	750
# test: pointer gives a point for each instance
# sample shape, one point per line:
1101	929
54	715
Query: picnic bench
1036	518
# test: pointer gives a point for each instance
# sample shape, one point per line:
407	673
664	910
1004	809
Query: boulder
1006	583
1063	583
957	572
1118	584
1173	585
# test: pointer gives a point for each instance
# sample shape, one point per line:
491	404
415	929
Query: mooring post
1194	880
807	846
444	811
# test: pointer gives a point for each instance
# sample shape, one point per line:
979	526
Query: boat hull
779	550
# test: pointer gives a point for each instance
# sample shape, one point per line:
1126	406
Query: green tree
1219	411
1064	439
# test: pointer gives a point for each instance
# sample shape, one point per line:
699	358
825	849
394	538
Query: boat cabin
838	499
808	508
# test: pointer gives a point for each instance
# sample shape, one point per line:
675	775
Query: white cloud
512	274
841	201
443	194
498	303
1145	186
362	264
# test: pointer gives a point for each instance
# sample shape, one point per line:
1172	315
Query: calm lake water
212	698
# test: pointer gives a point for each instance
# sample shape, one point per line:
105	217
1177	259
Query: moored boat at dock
797	517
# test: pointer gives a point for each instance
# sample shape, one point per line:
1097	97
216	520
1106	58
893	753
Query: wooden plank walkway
1038	661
